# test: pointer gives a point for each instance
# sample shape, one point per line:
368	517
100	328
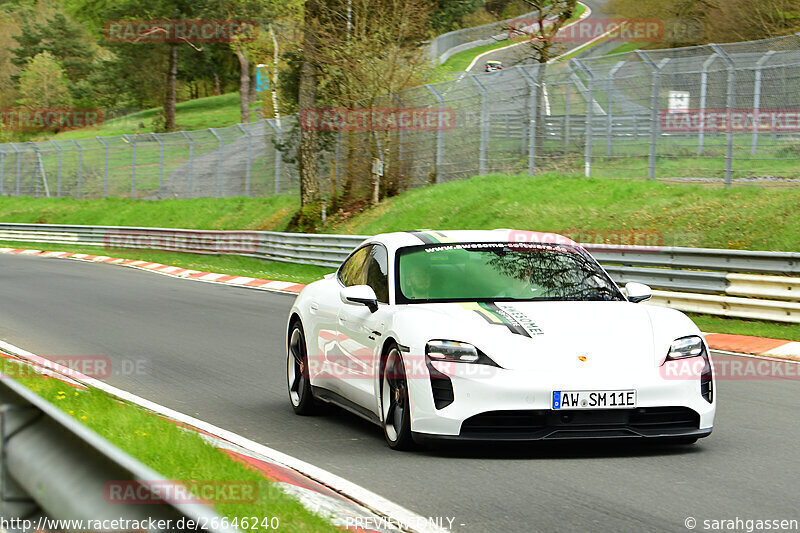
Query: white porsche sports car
495	335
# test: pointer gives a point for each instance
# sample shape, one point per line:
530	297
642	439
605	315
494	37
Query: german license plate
594	399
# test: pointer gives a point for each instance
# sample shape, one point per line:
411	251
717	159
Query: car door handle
314	306
342	320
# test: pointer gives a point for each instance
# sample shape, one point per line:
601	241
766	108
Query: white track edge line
586	14
372	501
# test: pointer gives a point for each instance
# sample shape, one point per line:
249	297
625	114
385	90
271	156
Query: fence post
133	165
703	95
19	167
160	160
247	169
757	100
587	156
105	171
567	116
191	163
58	172
532	109
338	153
42	170
439	135
80	166
654	126
2	171
278	160
484	126
729	108
220	157
610	113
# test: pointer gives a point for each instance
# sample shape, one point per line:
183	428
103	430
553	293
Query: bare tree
551	15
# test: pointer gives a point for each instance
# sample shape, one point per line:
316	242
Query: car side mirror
638	292
359	295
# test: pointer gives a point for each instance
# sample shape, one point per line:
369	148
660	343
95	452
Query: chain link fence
716	113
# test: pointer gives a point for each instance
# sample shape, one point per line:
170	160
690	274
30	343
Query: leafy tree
43	84
65	41
446	15
151	58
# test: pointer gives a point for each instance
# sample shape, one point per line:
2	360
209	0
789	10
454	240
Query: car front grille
553	424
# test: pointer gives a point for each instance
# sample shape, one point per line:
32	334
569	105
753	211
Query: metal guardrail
699	277
55	467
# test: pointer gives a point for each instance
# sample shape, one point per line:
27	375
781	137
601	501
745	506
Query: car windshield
498	272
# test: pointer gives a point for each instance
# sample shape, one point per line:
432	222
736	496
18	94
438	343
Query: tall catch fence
716	113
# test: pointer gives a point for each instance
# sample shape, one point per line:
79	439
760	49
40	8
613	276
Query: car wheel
297	373
395	405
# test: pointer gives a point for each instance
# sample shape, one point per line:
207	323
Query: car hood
548	335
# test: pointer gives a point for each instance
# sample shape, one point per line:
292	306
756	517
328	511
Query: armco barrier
736	283
54	466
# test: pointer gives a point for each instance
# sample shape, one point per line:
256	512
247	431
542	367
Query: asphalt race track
215	352
518	55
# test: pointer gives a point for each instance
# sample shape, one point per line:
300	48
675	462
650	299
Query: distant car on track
492	65
495	335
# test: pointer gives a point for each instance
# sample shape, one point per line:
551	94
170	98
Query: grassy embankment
175	453
751	218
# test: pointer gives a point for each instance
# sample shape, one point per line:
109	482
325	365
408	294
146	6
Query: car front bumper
502	404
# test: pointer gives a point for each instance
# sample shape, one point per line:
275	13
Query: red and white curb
743	344
344	503
773	348
167	270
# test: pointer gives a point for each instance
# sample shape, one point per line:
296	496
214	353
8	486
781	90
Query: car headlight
686	347
453	351
456	352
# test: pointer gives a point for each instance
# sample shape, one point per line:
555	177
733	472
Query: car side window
376	272
352	271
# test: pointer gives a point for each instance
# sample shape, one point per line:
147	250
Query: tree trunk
253	87
172	82
217	87
306	101
244	84
275	71
307	156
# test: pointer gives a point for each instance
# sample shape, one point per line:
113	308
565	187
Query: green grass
460	61
752	218
220	264
626	47
756	328
201	113
271	213
154	441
